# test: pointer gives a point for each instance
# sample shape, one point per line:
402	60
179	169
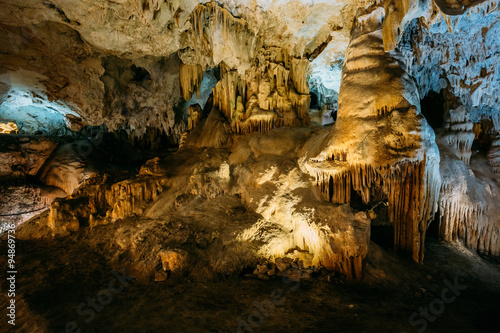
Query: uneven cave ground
58	276
61	272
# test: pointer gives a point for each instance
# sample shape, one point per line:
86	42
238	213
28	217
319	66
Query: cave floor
54	277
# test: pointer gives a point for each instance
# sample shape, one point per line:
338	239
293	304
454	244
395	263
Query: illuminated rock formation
459	133
272	93
380	139
494	158
190	77
65	168
467	203
8	127
330	237
228	86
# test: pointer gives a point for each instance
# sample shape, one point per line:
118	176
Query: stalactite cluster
216	35
272	93
190	77
411	188
468	205
100	204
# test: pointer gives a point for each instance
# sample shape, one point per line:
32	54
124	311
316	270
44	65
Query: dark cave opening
314	101
433	226
432	106
383	236
382	229
485	134
140	74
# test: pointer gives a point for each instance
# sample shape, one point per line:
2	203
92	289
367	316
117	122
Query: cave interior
250	166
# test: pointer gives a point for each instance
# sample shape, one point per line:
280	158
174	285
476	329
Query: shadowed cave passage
432	106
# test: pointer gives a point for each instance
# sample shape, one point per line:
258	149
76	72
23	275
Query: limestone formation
494	158
459	133
467	204
66	167
272	93
400	157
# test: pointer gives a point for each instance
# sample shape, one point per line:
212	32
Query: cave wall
458	54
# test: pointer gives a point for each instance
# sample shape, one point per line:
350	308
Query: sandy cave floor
54	277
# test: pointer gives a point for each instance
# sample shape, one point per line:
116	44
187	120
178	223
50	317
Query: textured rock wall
458	54
88	52
64	75
22	156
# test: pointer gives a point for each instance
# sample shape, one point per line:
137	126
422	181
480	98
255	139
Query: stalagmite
459	133
65	168
494	158
195	114
380	139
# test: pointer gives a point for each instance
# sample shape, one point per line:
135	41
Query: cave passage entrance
432	106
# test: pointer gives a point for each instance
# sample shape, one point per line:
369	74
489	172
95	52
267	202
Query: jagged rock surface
22	156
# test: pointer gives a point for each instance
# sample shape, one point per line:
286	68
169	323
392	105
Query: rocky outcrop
22	156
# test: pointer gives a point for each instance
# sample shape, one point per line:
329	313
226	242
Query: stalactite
272	93
468	207
211	17
101	203
412	189
190	77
